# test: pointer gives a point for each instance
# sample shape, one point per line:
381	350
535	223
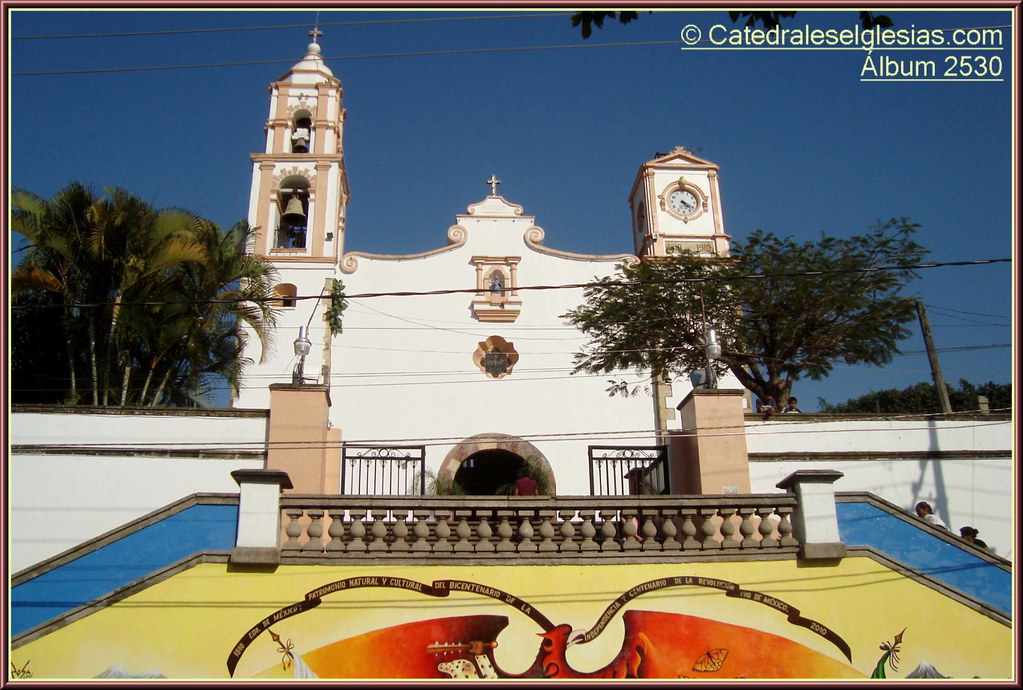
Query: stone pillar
259	516
708	456
300	441
815	519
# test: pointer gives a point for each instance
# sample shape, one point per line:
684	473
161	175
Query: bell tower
299	183
676	204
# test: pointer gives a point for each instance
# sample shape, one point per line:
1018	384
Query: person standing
525	485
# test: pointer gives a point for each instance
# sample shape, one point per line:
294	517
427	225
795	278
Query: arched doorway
489	472
486	463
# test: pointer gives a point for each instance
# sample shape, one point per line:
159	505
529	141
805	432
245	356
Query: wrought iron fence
372	470
628	470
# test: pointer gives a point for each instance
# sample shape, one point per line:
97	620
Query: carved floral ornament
495	357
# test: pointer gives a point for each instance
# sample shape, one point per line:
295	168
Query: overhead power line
567	286
276	27
368	56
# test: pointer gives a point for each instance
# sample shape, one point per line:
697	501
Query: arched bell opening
301	132
293	207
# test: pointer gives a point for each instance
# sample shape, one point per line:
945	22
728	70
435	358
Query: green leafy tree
150	300
783	309
922	398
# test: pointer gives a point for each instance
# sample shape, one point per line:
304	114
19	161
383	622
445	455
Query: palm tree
154	296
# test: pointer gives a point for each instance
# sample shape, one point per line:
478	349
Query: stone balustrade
563	526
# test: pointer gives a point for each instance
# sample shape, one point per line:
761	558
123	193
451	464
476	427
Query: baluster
525	531
609	532
708	528
400	532
689	530
293	530
728	529
767	526
336	531
547	544
505	531
357	531
649	531
568	542
747	528
442	531
785	527
629	529
484	532
422	530
669	530
378	530
315	531
588	531
463	532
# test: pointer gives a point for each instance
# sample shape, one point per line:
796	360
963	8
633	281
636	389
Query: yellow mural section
696	620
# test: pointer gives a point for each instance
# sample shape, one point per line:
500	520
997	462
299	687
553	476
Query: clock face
682	201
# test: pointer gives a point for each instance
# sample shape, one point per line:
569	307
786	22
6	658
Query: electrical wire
567	286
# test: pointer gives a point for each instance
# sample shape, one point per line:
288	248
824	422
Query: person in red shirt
525	485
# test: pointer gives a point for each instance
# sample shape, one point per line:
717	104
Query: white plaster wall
977	492
790	436
57	501
968	491
60	501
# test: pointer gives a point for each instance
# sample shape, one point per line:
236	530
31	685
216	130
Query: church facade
475	364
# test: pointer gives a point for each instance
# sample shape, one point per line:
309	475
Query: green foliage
338	304
535	471
591	19
922	398
442	487
768	20
782	309
150	301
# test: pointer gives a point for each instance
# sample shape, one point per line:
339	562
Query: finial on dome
315	34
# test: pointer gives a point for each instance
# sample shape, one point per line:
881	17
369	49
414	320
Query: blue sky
805	147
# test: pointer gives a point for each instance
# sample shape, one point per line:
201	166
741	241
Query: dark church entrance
489	472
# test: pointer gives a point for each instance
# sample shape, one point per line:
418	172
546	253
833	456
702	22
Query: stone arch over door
493	441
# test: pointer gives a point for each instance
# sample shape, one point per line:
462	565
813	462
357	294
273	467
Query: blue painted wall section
863	524
85	579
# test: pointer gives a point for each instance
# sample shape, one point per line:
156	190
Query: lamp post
302	348
713	350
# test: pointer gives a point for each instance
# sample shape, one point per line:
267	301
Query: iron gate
628	470
371	470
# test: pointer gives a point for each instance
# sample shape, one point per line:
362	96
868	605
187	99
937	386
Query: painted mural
699	621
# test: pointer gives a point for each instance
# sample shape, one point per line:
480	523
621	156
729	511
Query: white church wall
403	370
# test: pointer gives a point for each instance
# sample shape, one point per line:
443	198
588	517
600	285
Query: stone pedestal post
708	456
815	520
300	441
259	517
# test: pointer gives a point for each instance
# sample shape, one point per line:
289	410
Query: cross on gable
493	182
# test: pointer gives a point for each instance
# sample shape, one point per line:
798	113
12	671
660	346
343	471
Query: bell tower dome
299	183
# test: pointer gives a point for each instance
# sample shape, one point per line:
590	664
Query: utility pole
932	355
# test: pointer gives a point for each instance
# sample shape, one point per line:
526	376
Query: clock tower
676	205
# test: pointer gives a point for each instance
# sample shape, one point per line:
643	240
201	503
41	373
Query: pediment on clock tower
682	155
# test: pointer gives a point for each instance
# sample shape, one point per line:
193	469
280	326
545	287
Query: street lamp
713	351
302	348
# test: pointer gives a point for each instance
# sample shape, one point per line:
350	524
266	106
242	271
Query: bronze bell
293	213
